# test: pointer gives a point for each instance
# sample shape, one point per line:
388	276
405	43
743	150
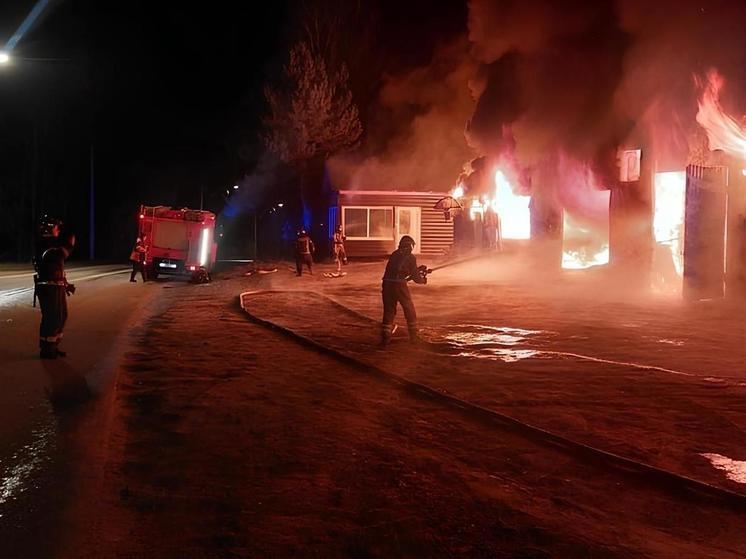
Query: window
368	223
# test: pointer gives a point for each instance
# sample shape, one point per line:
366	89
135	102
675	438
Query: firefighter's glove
70	288
423	271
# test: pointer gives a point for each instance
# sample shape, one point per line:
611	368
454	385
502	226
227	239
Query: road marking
22	290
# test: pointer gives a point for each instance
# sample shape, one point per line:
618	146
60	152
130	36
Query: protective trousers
53	303
340	255
138	266
397	292
301	259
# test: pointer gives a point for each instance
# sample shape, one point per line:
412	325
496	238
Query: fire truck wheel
153	273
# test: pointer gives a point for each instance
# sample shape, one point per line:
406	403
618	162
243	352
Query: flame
668	228
723	131
515	216
476	208
583	247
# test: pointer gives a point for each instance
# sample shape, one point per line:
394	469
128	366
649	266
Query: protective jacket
52	289
401	267
304	245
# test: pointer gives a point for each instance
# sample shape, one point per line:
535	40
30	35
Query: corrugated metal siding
436	234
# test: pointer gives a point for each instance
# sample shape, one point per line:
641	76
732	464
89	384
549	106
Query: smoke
548	86
584	78
416	141
269	182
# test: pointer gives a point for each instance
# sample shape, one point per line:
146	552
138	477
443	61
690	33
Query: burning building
592	135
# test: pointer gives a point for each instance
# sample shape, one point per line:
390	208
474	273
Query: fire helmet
406	242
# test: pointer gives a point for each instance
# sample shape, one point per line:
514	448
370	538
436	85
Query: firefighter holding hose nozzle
52	287
401	267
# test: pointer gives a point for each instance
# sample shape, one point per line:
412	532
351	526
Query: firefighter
340	255
304	249
137	257
52	289
46	237
401	267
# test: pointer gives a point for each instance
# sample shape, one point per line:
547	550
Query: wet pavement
42	403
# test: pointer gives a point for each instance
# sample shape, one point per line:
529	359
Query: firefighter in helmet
340	255
304	249
137	257
401	267
52	287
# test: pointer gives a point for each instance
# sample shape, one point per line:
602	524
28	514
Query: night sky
169	99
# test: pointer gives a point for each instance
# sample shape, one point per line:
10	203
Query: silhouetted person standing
52	289
401	267
137	256
304	249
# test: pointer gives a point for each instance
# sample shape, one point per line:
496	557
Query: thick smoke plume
416	141
553	89
582	78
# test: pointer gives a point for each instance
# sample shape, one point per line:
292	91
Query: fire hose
661	477
424	271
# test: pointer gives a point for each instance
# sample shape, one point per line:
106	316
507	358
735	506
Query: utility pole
256	215
92	213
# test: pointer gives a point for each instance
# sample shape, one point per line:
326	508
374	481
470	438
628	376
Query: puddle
735	470
24	465
493	342
506	355
670	342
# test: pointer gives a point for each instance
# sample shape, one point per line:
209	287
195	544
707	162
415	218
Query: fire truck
178	241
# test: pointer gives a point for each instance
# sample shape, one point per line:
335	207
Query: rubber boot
386	332
414	336
47	350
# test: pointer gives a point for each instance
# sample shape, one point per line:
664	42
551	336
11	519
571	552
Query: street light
4	57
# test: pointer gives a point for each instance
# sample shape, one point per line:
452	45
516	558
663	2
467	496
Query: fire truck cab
178	241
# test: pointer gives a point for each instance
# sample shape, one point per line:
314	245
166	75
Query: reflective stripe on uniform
51	339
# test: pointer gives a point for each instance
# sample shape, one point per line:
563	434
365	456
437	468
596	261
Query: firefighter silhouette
304	249
401	267
52	288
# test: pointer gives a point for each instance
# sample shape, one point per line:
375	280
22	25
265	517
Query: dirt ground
227	439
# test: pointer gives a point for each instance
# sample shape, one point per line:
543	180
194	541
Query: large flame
515	216
723	131
668	227
584	246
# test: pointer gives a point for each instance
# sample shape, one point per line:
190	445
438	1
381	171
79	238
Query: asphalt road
45	406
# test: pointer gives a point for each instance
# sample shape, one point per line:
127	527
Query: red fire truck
178	241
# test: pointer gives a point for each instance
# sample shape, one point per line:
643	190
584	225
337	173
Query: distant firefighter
304	249
490	227
137	257
401	267
52	288
340	255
